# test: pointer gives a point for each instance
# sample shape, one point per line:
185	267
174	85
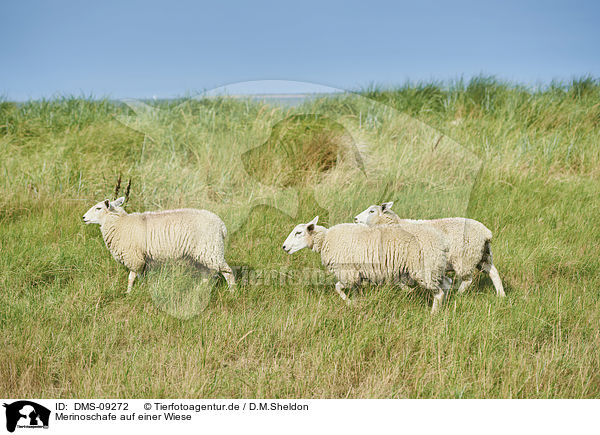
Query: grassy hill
525	163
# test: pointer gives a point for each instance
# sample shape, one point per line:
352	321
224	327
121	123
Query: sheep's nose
355	220
284	248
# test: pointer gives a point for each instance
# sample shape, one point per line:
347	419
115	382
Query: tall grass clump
299	149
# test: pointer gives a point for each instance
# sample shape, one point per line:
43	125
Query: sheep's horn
127	190
117	187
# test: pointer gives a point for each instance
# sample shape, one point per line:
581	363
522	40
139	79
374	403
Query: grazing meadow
525	162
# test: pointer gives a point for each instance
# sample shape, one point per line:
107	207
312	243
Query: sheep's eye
298	233
98	208
371	211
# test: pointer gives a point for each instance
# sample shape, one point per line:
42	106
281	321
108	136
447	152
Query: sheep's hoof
349	302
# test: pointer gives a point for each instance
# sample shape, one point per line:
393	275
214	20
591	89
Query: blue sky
146	48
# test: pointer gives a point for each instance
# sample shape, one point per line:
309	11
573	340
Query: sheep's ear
106	203
387	206
118	202
311	225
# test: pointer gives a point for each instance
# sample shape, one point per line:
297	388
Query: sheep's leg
224	269
228	275
465	283
438	300
338	288
493	273
230	280
132	276
446	283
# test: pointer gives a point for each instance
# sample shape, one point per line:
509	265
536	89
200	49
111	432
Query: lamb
469	241
136	239
353	252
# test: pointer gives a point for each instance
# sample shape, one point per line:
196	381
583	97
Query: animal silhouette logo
26	414
329	157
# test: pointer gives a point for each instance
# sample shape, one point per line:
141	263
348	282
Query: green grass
529	170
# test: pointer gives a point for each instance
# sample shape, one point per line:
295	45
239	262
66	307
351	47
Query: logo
331	155
26	414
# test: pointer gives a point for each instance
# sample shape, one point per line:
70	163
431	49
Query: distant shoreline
279	98
302	95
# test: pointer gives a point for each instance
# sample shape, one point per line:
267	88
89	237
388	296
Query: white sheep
377	254
469	241
138	238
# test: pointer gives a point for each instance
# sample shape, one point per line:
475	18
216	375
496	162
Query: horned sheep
138	238
379	254
469	241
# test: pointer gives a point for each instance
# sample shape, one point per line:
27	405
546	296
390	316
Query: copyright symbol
147	406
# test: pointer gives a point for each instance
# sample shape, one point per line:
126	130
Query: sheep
353	252
136	239
469	241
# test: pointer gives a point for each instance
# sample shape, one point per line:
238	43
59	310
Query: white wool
379	254
385	253
469	241
139	238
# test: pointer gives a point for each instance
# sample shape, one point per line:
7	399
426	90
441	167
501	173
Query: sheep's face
371	213
367	216
97	214
300	237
